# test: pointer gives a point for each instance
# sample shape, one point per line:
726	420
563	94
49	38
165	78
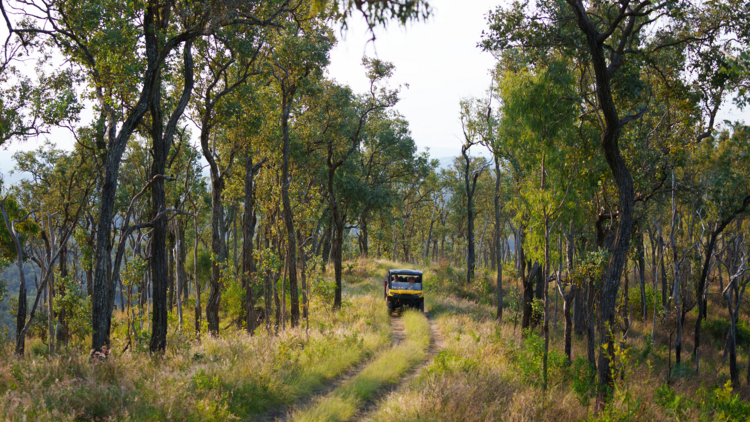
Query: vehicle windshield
402	282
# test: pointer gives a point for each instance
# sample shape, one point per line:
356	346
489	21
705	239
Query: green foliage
4	263
76	303
529	361
537	309
447	362
675	405
233	294
634	297
719	327
321	288
24	230
720	404
726	405
584	379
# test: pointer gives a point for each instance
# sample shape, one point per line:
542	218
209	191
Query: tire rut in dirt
398	335
437	343
398	329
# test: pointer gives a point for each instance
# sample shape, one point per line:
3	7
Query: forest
216	243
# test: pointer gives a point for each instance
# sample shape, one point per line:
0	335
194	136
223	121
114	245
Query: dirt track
437	343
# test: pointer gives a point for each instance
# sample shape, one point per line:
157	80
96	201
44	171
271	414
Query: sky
437	58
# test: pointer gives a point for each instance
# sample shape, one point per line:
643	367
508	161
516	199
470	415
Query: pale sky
440	61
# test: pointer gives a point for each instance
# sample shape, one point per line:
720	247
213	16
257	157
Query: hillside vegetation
215	241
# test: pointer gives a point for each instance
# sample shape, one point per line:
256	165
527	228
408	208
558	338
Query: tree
299	55
613	34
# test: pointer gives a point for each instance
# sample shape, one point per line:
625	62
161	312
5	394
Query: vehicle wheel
390	307
421	306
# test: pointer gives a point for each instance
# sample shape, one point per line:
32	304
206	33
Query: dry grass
488	372
229	377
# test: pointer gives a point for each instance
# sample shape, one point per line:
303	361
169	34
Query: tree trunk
528	296
195	277
179	277
621	175
62	331
676	291
429	238
248	232
642	275
567	301
291	250
545	324
363	235
469	188
590	335
101	300
338	244
161	144
498	256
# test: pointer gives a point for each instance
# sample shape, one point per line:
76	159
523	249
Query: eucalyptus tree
58	190
387	156
162	137
226	61
299	56
612	38
439	202
472	137
252	166
16	229
344	118
541	105
723	163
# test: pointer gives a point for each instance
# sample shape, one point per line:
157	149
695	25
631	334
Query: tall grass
228	377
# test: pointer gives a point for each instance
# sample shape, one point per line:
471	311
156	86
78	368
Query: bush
529	360
584	380
719	327
635	300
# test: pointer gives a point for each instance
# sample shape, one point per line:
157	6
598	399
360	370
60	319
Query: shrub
635	299
529	360
584	379
719	327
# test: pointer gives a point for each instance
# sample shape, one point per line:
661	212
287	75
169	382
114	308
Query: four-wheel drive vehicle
403	288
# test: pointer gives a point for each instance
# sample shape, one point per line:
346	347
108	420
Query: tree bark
195	276
470	184
62	331
642	275
102	302
528	295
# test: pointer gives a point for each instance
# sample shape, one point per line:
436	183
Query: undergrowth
233	376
